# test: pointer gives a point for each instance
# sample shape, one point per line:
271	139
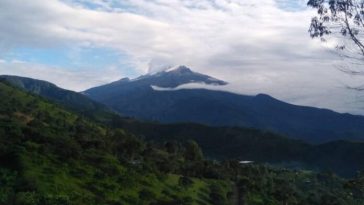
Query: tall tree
341	22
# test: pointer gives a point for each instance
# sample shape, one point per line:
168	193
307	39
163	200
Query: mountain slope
69	99
171	79
51	156
137	98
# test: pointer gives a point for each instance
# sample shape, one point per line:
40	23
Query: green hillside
66	98
51	156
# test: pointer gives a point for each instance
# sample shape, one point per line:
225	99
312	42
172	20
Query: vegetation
342	157
71	100
263	185
51	156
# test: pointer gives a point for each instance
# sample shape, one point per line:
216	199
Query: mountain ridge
67	98
220	108
169	78
215	108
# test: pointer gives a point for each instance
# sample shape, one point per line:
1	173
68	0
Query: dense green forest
50	155
342	157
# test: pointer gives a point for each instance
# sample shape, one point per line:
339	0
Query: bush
216	196
185	181
55	200
146	195
26	198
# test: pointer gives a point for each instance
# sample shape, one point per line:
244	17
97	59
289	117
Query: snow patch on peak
180	69
171	68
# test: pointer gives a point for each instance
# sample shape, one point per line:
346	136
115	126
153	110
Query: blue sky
258	46
292	5
72	58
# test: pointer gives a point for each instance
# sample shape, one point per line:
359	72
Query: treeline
342	157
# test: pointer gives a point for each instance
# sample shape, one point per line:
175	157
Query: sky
257	46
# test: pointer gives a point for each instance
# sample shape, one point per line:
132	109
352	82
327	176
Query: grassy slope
51	156
66	98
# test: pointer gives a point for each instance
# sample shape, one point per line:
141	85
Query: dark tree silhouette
344	17
341	22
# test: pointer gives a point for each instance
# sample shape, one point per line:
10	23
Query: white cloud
179	31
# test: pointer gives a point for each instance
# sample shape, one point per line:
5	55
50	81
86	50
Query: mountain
70	99
139	98
221	143
165	79
49	156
